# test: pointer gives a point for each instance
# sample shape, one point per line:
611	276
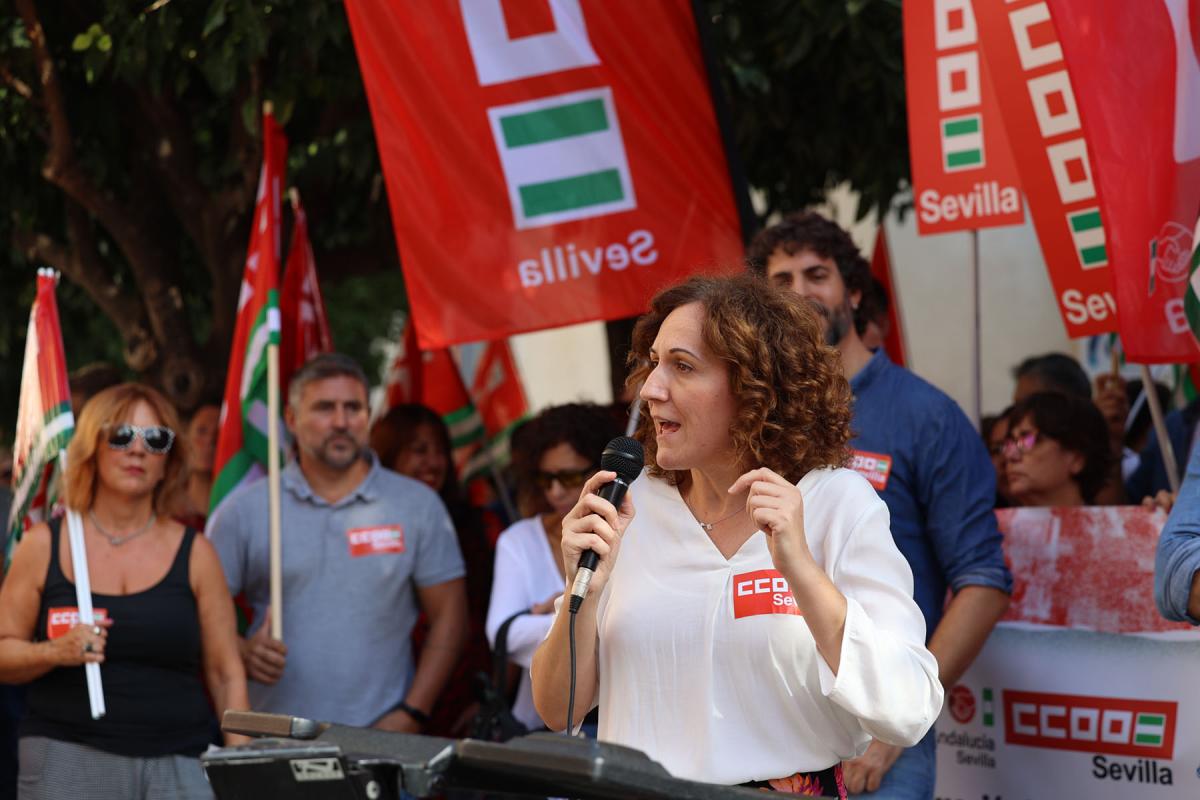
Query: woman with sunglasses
1057	451
553	455
164	619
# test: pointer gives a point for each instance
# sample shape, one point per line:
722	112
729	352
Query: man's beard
339	460
838	321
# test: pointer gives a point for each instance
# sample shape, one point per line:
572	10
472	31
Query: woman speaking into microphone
750	620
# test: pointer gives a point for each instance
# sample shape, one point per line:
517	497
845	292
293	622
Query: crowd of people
782	445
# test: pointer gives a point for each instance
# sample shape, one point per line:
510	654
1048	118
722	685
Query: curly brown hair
793	400
808	230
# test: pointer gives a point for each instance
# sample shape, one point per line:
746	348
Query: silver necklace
708	526
117	541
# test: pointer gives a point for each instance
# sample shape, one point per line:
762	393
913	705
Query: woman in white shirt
758	625
553	454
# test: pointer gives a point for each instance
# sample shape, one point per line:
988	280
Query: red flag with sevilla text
547	162
1037	100
964	177
1137	85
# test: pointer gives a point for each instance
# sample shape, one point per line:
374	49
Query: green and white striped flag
1149	729
242	437
1087	233
563	158
962	143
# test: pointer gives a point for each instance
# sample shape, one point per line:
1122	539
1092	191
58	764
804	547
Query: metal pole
976	354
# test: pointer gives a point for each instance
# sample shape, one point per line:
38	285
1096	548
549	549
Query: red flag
964	176
1037	100
881	269
301	307
402	383
242	439
497	389
432	378
544	168
45	422
1137	85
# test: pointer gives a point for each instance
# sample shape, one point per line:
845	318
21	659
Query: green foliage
816	89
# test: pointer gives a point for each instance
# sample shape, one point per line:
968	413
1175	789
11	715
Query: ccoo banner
1147	162
547	162
1037	99
964	176
1083	690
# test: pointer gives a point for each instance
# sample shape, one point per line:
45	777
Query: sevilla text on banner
547	163
1041	117
963	172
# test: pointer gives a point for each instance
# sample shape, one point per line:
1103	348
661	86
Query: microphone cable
571	637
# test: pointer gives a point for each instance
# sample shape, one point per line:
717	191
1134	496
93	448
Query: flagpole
976	373
273	504
1160	430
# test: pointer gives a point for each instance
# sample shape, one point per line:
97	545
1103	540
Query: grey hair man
364	551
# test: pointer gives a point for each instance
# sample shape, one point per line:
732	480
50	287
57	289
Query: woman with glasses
1057	451
553	456
164	619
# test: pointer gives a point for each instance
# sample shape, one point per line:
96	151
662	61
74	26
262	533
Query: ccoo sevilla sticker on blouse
60	620
875	467
375	540
763	591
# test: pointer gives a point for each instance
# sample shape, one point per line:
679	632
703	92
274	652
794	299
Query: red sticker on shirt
763	591
875	467
375	540
60	620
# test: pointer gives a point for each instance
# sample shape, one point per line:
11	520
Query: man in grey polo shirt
364	550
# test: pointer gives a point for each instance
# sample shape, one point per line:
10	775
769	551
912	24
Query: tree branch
142	245
16	84
81	264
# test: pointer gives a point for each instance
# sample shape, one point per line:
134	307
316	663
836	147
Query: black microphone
623	456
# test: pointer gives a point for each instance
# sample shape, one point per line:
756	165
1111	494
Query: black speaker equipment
345	763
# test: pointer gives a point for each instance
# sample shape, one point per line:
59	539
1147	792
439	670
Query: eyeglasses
1016	446
569	478
156	438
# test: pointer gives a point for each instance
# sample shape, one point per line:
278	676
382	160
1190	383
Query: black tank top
151	673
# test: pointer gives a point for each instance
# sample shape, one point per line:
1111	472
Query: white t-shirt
525	574
706	665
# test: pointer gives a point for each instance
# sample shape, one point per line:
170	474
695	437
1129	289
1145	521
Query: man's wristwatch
420	716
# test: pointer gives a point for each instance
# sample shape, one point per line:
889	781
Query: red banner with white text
963	173
547	163
1138	91
1037	100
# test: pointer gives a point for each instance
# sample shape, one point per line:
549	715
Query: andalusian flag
44	419
242	440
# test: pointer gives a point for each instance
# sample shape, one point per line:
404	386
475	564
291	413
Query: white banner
1083	692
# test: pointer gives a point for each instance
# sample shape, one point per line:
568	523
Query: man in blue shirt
922	455
1177	565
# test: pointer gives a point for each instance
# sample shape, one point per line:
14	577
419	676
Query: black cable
574	608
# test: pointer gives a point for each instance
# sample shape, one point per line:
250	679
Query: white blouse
525	574
706	665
